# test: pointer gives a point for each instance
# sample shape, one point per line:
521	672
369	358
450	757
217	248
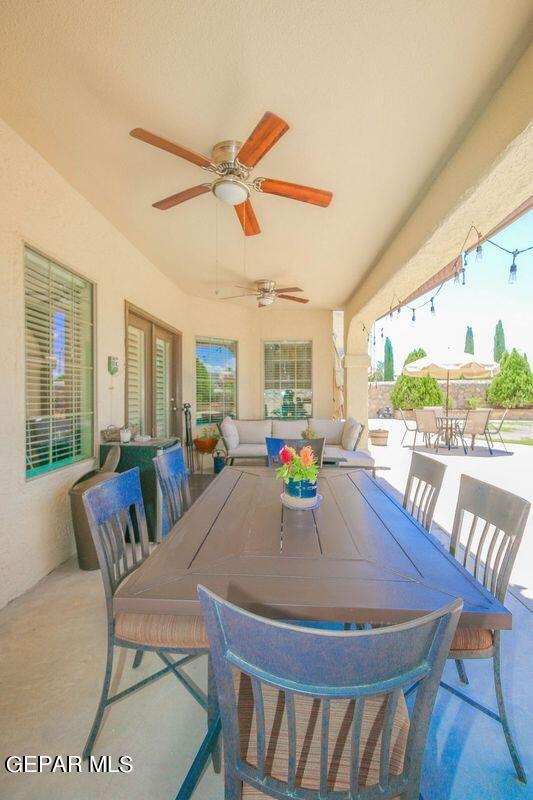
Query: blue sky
486	298
215	358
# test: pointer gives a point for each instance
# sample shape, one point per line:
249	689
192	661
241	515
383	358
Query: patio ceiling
377	94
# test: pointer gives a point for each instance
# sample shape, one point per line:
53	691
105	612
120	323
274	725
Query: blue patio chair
320	715
173	480
115	512
496	520
275	445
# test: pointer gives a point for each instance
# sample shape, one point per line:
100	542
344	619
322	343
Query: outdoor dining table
448	426
359	557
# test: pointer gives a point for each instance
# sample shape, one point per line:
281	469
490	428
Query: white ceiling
377	95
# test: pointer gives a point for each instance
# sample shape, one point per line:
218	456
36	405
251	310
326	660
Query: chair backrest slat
423	487
274	445
326	667
386	736
173	480
324	749
115	512
291	735
355	745
493	551
257	693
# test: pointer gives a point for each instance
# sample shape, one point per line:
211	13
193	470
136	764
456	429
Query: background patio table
360	557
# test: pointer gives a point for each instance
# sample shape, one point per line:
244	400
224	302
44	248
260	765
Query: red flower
285	455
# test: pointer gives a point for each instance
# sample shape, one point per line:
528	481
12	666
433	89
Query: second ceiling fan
232	163
266	293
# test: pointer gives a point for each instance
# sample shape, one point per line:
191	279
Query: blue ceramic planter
301	488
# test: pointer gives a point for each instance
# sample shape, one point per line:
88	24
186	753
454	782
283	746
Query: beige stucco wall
39	207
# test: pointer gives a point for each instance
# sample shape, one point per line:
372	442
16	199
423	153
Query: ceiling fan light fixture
265	300
231	191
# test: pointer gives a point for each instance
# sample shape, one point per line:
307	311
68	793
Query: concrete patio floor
52	641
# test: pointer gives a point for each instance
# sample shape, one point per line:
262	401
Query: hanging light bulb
413	318
432	307
479	253
382	333
463	271
390	313
456	271
399	309
513	270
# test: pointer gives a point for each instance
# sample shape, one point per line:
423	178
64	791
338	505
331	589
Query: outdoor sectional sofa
245	438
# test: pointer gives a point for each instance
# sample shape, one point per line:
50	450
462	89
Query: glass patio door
152	400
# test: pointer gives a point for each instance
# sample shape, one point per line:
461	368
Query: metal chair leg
414	440
461	671
213	713
503	713
488	444
138	658
87	750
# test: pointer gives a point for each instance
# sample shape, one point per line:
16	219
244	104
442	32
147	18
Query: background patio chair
275	445
497	520
309	713
115	510
407	428
423	488
497	430
173	481
428	425
475	424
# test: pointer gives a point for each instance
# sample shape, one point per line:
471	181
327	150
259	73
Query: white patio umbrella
451	365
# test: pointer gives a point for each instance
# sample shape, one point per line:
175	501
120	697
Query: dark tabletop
359	557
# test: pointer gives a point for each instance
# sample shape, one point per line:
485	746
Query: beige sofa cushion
288	428
328	429
253	431
229	432
248	451
350	434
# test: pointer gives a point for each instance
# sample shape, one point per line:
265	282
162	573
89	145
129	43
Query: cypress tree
388	369
499	341
469	341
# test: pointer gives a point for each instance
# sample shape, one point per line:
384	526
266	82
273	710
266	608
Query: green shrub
473	403
416	392
512	387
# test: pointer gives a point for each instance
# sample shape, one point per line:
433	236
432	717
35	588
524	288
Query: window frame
63	464
263	378
220	339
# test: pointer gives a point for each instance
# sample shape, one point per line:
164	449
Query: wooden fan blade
289	289
170	147
181	197
294	299
318	197
263	137
247	218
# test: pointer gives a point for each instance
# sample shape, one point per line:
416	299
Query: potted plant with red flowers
299	473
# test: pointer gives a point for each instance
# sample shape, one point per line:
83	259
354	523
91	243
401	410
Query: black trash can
87	558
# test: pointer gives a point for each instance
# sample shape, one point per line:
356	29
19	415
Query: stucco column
356	389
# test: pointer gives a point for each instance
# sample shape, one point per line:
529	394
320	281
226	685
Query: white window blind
288	389
136	378
161	387
216	380
59	365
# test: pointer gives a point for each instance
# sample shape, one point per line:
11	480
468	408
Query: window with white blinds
59	365
288	389
216	380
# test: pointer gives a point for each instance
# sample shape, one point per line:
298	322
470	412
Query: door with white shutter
153	383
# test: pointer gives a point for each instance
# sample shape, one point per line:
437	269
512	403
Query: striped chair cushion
472	639
308	721
162	630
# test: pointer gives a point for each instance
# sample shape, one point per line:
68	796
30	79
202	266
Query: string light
513	268
459	271
382	334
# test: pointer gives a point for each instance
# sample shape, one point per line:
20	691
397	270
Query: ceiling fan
232	163
266	293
